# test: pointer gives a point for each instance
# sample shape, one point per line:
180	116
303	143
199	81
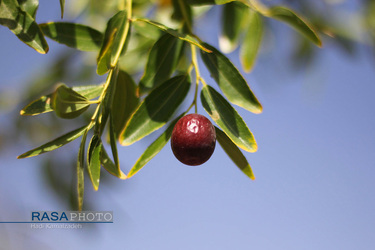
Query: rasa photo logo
64	219
68	219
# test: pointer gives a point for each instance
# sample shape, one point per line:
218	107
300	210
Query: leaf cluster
124	110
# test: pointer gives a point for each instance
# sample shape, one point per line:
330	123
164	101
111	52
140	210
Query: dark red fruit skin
193	139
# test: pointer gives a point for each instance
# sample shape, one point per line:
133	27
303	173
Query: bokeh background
314	169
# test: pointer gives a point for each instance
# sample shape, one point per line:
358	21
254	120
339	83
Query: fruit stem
197	74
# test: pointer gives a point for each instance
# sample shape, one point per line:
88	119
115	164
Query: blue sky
315	168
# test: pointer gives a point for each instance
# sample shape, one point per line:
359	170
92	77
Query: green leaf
93	161
104	58
56	143
39	106
62	6
109	165
230	80
43	104
23	25
154	148
233	17
106	105
208	2
30	6
8	11
89	91
67	103
74	35
80	170
234	153
124	102
228	119
252	41
162	61
288	16
156	109
175	33
114	41
113	142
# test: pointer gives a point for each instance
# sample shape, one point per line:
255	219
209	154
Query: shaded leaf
80	170
23	25
233	17
147	31
67	103
113	142
124	102
114	41
228	119
109	165
234	153
43	104
230	80
208	2
182	12
154	148
56	143
288	16
107	102
156	109
62	7
93	161
74	35
251	44
175	33
162	61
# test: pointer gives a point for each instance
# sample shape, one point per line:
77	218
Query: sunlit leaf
39	106
114	41
228	119
288	16
154	148
161	63
89	91
156	109
62	7
104	58
109	165
80	170
232	19
230	80
124	102
234	153
253	38
208	2
30	6
56	143
67	103
93	161
175	33
23	25
43	104
74	35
